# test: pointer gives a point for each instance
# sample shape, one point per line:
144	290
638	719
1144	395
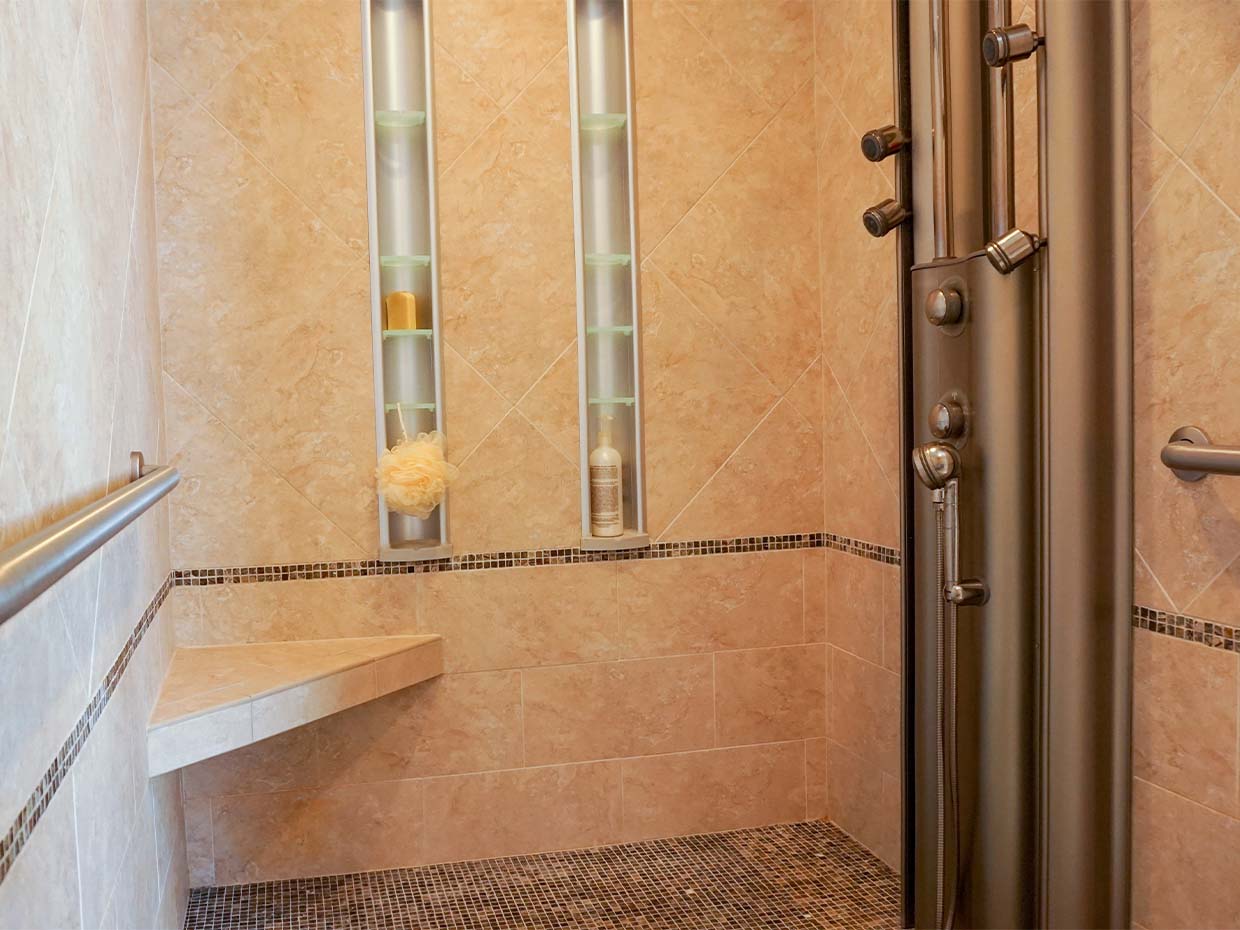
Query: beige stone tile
1184	859
383	605
297	834
815	575
855	270
472	406
200	42
40	40
806	394
169	105
506	233
215	516
295	101
282	710
693	116
1218	601
522	811
177	744
722	789
551	404
515	617
771	45
855	605
501	45
125	49
863	710
772	484
676	606
1151	160
462	108
893	618
457	723
864	802
860	503
1183	286
1182	52
401	669
575	713
134	896
1207	153
692	373
283	762
492	512
852	43
1148	591
1185	703
766	695
41	891
745	254
874	392
815	779
199	842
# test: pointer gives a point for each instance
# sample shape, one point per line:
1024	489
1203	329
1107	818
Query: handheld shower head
936	463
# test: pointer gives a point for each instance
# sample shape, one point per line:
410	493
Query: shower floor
803	875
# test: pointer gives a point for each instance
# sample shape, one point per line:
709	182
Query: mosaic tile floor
805	875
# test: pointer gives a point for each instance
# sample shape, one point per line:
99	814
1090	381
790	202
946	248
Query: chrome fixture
947	420
936	463
878	144
1191	456
883	217
1012	249
944	306
33	565
1005	44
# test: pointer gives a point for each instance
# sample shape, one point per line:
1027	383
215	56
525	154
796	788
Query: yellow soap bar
401	309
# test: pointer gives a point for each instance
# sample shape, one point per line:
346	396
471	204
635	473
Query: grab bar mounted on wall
33	565
1191	456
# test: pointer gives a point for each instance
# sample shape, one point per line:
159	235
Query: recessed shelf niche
608	314
404	261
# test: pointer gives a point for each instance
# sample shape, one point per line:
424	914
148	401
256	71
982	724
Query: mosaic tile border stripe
516	558
28	817
1191	629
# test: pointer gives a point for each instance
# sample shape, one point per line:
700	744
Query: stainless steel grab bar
1190	454
33	565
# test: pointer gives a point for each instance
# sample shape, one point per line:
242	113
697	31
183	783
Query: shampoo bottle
606	490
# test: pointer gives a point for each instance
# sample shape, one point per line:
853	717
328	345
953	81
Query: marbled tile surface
804	875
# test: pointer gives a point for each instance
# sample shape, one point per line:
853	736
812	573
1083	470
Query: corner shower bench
219	698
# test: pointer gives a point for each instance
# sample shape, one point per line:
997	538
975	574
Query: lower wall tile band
1179	626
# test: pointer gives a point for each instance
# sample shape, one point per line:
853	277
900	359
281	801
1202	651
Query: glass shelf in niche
392	408
407	334
598	122
404	261
607	259
612	401
400	119
610	330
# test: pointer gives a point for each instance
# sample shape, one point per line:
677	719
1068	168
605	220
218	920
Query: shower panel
1016	409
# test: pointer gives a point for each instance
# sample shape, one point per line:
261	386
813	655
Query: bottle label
604	495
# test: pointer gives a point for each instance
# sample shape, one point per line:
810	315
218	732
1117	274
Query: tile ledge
214	713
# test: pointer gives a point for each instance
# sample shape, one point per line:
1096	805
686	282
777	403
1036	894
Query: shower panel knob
879	143
946	420
944	306
883	217
1012	249
1009	43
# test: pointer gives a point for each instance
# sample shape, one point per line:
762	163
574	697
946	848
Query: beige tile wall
261	195
1186	118
581	705
79	389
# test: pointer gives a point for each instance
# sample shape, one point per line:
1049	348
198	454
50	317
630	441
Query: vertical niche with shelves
404	260
605	232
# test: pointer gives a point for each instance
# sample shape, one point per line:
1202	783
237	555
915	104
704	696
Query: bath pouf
414	475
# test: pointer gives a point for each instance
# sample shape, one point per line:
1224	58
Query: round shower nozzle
936	463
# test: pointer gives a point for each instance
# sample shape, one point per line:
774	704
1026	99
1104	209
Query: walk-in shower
1017	409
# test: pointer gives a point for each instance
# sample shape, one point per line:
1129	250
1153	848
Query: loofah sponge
414	475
